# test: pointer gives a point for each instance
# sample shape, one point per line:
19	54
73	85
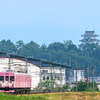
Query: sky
48	21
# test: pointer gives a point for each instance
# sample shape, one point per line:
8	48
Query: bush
82	86
65	86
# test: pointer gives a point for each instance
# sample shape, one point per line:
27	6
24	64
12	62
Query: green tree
7	46
19	44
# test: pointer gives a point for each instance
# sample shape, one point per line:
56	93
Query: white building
90	38
96	79
57	74
80	75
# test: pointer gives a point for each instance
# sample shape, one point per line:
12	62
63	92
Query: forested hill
58	52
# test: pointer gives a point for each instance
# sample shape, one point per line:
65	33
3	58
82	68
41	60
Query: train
15	82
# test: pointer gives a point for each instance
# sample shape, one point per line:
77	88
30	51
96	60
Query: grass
4	96
73	96
54	96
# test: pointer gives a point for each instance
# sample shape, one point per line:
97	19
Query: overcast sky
47	21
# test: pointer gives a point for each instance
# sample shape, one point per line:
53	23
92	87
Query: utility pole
60	78
26	66
69	73
51	78
76	75
9	62
93	76
87	76
40	79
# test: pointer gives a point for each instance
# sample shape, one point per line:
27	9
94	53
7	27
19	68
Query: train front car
6	81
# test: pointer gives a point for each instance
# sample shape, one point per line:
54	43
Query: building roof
89	40
90	34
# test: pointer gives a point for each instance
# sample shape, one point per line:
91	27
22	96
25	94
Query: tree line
57	52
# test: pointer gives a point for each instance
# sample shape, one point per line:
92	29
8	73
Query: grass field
73	96
54	96
4	96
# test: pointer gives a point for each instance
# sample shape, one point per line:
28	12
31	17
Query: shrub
82	86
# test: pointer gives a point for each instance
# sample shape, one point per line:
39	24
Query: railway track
37	92
31	93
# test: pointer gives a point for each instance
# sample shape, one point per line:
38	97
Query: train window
6	78
12	78
1	78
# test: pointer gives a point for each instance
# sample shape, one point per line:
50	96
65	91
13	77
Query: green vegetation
82	86
4	96
65	86
59	52
74	96
54	96
45	85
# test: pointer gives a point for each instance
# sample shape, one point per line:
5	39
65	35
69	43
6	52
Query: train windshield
1	78
7	78
11	78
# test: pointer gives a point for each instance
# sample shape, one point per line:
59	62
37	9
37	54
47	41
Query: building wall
80	75
55	73
96	79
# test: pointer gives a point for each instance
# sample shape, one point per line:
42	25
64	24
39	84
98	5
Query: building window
47	77
45	71
43	77
58	78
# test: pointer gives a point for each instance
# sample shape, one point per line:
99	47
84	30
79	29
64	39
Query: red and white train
15	82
